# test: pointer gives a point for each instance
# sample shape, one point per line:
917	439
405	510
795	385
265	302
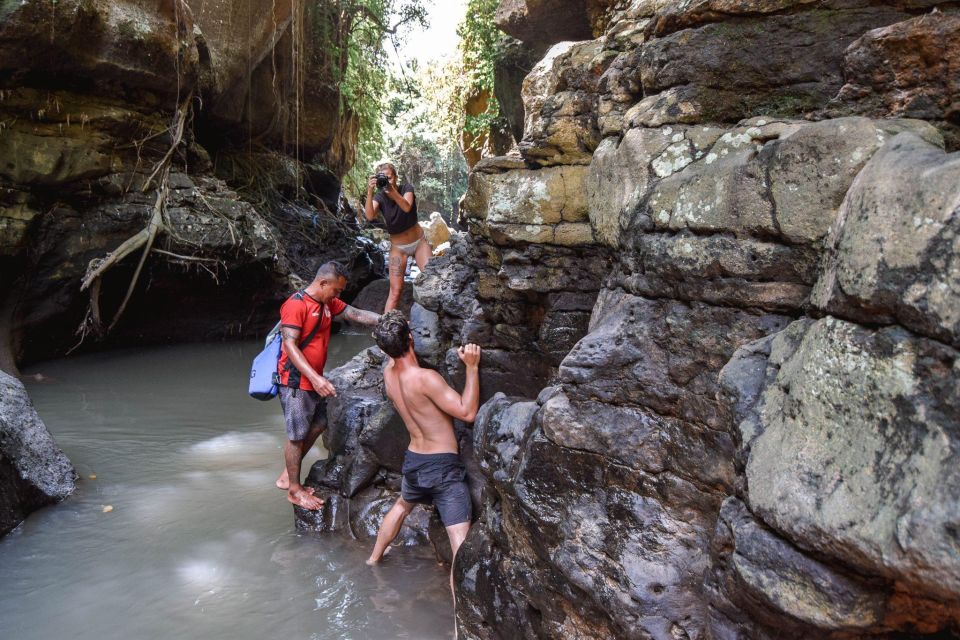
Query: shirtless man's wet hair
432	470
393	333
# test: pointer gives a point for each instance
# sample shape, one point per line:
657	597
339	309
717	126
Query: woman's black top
397	221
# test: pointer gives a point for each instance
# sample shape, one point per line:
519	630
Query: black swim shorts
439	479
302	410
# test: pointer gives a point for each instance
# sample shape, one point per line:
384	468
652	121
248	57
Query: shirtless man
432	469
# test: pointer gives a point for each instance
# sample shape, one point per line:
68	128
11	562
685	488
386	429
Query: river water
182	533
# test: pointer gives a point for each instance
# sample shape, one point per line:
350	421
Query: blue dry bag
262	373
264	379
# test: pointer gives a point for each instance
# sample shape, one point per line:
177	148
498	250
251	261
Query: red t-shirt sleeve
337	306
293	314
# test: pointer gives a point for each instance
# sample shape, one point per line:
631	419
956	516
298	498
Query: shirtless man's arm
462	406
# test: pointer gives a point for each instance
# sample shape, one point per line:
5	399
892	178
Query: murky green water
199	543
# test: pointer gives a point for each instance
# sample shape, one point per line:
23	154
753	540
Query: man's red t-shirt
304	314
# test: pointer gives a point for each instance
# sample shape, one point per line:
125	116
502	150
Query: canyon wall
716	285
213	124
717	289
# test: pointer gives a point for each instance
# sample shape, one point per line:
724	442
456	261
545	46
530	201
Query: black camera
382	180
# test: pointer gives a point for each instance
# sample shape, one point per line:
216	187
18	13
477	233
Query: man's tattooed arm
359	316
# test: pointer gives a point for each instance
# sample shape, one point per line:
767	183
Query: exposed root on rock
141	241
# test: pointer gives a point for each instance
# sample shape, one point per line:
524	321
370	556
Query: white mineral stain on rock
676	157
735	140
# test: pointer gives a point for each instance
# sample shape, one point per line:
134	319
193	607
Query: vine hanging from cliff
144	239
481	45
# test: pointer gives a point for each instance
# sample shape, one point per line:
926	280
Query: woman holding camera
399	209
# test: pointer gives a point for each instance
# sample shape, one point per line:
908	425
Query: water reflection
199	543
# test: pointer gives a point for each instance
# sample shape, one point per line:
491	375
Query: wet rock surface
34	472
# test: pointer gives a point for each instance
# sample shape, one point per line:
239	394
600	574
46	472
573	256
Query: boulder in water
34	472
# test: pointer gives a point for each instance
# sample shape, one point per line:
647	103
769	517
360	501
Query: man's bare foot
283	482
304	498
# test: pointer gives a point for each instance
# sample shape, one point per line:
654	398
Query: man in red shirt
305	321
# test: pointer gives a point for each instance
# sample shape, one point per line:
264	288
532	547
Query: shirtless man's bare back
432	470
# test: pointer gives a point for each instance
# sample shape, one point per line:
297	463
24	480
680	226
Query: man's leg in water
389	528
457	534
283	482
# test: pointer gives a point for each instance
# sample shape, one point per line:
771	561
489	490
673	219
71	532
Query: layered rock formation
719	298
718	293
99	102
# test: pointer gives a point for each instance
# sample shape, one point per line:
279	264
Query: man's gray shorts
301	411
439	479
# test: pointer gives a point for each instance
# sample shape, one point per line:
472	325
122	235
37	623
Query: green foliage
414	118
350	45
481	47
480	43
425	150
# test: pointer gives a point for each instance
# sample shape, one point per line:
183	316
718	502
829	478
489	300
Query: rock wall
718	294
717	290
90	94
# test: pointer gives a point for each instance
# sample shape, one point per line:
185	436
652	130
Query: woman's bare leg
397	266
423	254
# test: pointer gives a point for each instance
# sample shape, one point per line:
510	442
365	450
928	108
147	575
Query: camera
382	180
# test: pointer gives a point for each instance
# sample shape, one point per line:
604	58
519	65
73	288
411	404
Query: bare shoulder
431	380
389	371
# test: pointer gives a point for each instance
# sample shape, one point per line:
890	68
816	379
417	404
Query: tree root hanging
142	240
